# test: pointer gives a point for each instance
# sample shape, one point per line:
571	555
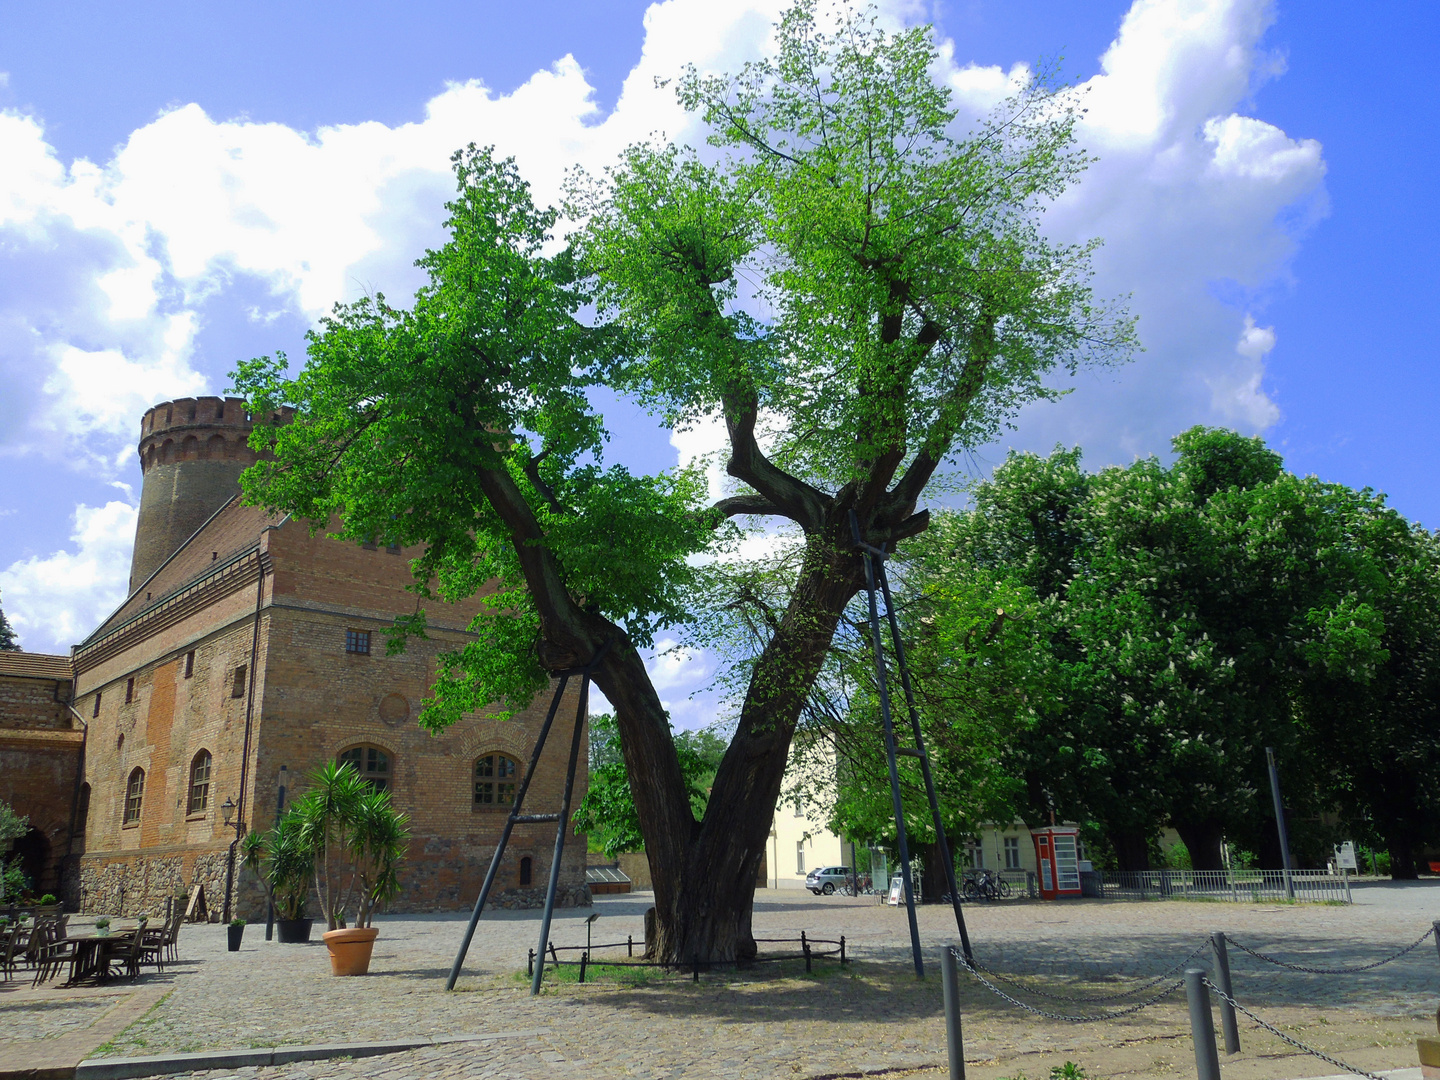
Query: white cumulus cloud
54	601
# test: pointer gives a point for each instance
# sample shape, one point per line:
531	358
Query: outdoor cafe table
93	954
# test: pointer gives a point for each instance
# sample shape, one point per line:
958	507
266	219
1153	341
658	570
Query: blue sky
186	185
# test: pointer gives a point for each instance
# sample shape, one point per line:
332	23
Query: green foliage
8	640
355	841
1068	1071
12	825
607	813
1192	615
400	414
284	863
966	636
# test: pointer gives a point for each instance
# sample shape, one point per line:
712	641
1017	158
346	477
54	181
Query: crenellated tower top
192	452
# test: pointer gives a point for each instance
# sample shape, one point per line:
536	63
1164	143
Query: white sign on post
1345	856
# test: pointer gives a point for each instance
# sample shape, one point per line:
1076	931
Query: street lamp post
227	811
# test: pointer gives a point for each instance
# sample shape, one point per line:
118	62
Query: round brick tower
192	452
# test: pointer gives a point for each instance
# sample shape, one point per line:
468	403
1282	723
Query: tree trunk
932	878
704	872
1132	849
1402	858
1203	839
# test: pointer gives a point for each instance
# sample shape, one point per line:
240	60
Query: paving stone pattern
777	1022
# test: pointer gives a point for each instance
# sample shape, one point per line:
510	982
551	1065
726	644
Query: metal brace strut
516	817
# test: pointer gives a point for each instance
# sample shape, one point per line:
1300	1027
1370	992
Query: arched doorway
34	851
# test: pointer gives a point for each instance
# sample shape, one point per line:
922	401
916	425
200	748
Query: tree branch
748	504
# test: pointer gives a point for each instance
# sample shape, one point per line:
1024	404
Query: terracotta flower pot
350	950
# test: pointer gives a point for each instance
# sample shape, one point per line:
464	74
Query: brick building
41	747
250	652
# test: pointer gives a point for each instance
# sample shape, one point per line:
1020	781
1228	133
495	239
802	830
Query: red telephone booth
1058	858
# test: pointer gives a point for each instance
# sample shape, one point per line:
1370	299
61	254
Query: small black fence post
1222	979
1202	1025
842	950
695	959
584	959
629	944
530	963
806	946
950	981
1437	936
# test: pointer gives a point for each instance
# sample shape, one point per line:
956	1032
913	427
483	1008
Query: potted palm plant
285	865
359	840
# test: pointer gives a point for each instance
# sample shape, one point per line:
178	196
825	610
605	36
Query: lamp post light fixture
589	923
227	811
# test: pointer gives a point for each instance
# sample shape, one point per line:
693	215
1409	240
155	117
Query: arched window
495	777
134	795
200	783
372	763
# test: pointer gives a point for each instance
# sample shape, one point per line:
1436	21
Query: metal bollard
954	1045
1202	1025
530	963
584	960
695	959
1437	936
629	944
1228	1025
842	950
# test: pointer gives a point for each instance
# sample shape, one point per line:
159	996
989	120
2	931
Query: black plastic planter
294	931
235	934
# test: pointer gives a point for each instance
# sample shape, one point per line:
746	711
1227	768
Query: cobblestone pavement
779	1022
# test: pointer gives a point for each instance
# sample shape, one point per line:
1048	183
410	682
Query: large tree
855	288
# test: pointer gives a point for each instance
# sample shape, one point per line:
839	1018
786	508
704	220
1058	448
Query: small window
129	691
799	856
237	688
200	783
495	776
526	870
96	710
190	663
393	549
372	763
1012	853
358	642
134	796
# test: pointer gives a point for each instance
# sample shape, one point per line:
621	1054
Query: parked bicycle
985	885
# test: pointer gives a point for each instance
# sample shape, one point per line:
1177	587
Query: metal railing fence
1308	886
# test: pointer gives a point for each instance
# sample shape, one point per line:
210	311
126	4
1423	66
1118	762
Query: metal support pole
1228	1026
954	1045
901	841
1280	823
1202	1025
564	822
1437	936
940	840
505	838
279	809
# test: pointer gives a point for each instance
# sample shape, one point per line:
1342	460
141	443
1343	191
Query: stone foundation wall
132	885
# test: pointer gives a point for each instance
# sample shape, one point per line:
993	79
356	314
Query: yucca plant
284	863
358	840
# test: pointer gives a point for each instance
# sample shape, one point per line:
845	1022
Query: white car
826	879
